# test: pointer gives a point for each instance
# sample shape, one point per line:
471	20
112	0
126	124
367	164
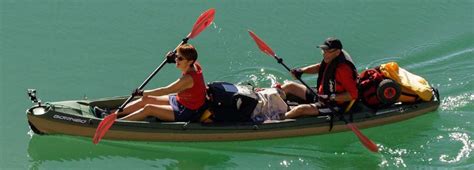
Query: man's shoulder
345	66
344	69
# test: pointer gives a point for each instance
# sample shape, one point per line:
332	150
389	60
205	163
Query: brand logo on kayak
70	119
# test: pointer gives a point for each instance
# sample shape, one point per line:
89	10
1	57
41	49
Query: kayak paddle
204	20
267	50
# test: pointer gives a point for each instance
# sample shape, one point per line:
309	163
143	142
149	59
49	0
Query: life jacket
194	97
327	73
413	86
231	103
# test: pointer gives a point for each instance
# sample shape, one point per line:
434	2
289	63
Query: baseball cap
331	43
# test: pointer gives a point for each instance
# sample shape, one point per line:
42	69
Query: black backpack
231	103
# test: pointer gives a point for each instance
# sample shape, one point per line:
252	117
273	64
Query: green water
97	48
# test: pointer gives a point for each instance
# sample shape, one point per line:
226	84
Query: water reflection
299	153
47	149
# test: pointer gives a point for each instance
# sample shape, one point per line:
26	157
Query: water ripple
379	61
436	60
467	147
257	76
395	157
452	103
216	27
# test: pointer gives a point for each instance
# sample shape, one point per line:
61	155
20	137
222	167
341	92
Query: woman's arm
181	84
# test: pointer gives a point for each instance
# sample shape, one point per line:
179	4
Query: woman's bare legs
162	112
140	103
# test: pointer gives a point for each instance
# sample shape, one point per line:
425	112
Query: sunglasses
180	58
329	50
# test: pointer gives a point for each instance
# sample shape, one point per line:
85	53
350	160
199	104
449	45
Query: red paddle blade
103	127
363	139
261	44
204	20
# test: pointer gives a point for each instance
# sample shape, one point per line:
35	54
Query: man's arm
311	69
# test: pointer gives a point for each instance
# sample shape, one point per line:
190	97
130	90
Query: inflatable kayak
76	118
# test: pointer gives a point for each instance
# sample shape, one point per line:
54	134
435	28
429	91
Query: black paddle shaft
341	117
280	60
120	109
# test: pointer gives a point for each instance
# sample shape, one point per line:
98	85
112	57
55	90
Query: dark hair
188	52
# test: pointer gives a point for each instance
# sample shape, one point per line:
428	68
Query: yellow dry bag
410	83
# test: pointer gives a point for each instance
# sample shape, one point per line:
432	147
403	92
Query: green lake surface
69	49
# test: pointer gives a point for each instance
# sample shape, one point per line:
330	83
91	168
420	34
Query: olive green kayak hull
75	118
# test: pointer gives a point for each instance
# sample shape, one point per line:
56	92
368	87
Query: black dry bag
231	103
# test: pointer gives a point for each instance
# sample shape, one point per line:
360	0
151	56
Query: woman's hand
170	57
137	92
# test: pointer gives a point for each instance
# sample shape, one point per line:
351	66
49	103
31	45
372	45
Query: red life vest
327	83
194	97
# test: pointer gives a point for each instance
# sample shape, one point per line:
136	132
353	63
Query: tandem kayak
76	118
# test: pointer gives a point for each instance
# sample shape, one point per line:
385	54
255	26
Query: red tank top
194	97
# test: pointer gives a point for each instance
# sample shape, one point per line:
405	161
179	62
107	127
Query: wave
452	103
438	60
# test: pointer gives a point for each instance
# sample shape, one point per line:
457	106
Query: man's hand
327	98
297	73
